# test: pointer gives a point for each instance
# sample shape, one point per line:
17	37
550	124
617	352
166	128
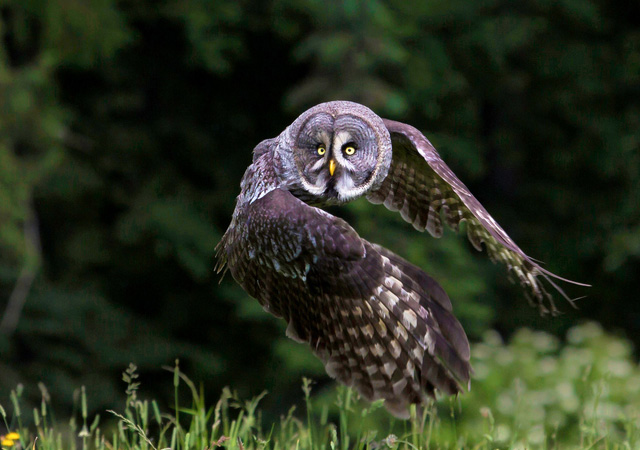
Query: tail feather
387	368
434	375
423	336
390	332
428	296
457	368
331	350
349	334
452	331
396	358
423	308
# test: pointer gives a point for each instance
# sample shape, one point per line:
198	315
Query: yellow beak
332	167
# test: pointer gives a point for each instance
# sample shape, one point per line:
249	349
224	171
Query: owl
378	323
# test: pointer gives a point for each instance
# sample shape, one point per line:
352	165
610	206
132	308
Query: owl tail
400	341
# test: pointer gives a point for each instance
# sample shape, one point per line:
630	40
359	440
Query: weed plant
534	393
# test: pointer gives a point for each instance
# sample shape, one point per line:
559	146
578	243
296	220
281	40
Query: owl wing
377	322
425	190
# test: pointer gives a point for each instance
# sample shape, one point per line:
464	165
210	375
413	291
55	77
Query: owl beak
332	166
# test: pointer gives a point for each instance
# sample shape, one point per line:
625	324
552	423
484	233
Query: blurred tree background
125	127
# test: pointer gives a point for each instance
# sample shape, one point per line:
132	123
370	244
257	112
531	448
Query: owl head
334	153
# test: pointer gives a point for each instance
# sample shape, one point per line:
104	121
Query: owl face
338	152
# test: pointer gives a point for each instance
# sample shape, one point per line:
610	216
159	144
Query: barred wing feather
425	191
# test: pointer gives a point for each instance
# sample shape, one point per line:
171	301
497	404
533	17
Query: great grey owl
376	321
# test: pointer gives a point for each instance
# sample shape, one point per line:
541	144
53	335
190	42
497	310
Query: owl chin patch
331	192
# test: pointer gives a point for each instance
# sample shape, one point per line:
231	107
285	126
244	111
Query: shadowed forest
125	127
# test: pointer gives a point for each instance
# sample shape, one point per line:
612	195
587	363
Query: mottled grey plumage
376	321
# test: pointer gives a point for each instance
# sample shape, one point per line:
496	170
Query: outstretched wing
377	322
424	190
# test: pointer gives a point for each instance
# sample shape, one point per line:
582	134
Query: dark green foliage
125	128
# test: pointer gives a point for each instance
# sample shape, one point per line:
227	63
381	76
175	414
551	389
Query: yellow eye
350	150
321	150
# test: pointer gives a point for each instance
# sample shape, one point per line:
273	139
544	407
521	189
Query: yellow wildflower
9	439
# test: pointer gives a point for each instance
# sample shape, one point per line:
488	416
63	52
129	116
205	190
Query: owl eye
349	149
321	150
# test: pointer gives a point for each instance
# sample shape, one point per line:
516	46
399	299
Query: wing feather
424	190
377	322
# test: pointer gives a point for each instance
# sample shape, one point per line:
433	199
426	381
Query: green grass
534	393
